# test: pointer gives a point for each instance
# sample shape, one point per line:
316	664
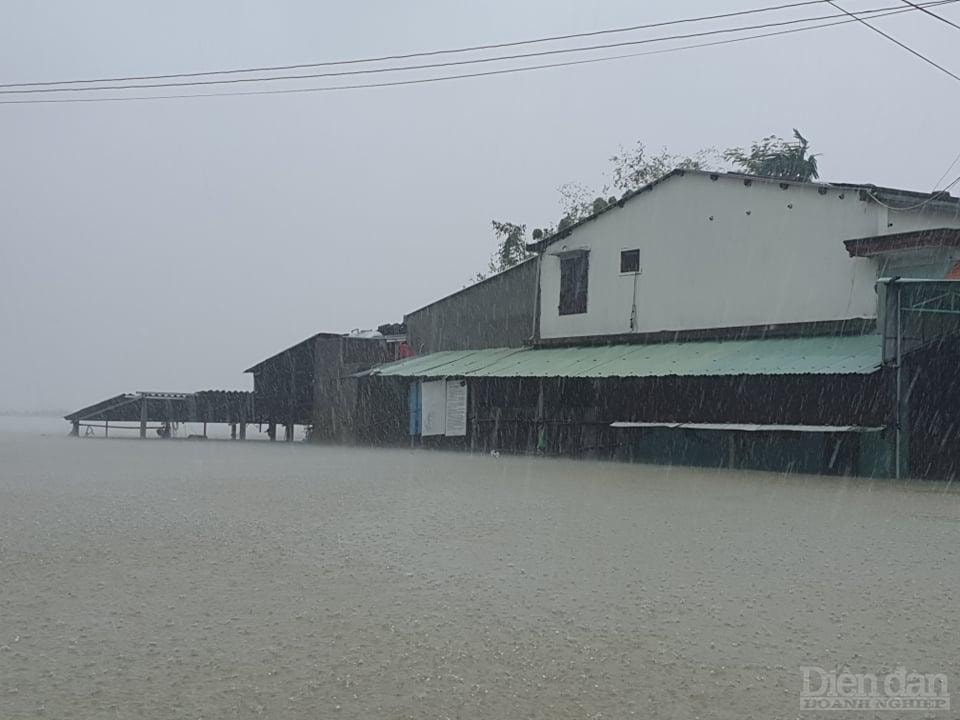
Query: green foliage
631	169
512	240
635	167
511	248
775	157
576	201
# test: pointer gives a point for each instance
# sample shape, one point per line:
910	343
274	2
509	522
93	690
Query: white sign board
456	415
434	404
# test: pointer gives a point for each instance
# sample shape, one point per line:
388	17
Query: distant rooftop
362	335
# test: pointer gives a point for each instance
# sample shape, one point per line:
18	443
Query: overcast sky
170	244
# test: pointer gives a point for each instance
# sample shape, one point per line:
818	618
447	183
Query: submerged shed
308	383
639	401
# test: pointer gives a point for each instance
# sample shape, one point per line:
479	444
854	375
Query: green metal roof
855	354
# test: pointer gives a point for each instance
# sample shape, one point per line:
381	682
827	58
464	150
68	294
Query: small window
629	261
574	270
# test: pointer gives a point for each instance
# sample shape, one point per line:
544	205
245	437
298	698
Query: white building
712	319
699	250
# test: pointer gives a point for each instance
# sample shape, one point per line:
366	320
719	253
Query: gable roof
893	198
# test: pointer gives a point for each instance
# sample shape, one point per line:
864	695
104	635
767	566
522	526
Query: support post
541	426
106	428
288	432
243	431
204	429
75	430
473	415
143	418
272	430
900	454
233	431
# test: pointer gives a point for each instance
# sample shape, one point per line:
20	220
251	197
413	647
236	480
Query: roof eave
912	240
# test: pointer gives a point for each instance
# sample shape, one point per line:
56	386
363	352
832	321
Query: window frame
627	251
574	294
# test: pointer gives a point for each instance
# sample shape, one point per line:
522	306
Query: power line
932	14
420	81
934	195
428	66
429	53
894	40
947	171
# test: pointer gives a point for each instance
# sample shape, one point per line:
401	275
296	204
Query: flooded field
226	580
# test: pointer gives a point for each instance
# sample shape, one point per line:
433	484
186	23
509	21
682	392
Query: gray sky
170	244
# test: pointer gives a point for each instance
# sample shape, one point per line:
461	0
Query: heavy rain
211	580
491	360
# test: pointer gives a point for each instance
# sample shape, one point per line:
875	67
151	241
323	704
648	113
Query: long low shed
817	404
843	355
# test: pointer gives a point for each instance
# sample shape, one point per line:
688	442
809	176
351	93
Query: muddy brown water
150	579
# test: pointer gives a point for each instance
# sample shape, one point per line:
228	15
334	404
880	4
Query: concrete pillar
233	431
75	429
288	432
272	430
143	418
243	431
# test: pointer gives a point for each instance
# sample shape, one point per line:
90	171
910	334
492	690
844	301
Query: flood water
151	579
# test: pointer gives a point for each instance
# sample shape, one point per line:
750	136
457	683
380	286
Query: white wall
718	253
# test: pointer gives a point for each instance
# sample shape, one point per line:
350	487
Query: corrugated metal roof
943	237
856	354
326	335
749	427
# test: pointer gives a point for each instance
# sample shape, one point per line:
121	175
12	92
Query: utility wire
430	53
934	195
428	66
892	39
932	14
419	81
947	171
